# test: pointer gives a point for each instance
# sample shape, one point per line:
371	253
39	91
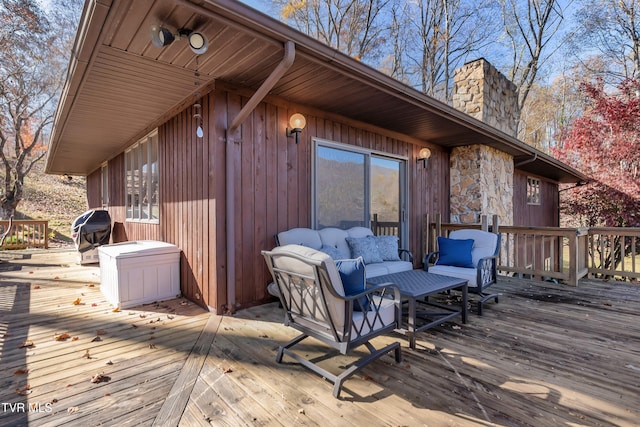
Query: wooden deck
547	354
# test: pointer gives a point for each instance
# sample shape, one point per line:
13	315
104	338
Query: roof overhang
120	86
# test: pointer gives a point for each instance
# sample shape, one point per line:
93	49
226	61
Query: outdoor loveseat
381	254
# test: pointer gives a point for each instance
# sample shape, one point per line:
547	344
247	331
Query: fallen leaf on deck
152	346
56	278
75	338
100	332
91	285
27	343
21	372
100	378
183	303
142	316
72	409
94	305
52	401
76	302
301	411
227	370
96	339
23	391
109	362
62	337
169	317
263	336
115	310
36	286
86	354
134	326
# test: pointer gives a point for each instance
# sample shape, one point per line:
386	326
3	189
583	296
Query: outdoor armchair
331	304
468	254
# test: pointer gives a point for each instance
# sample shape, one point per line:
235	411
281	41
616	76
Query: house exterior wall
543	215
272	178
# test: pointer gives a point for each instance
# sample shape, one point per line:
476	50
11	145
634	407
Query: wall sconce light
161	36
423	156
297	123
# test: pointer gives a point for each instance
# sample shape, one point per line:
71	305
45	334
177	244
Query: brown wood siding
94	187
272	177
543	215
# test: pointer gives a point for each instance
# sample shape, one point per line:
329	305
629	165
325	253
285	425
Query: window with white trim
533	191
142	176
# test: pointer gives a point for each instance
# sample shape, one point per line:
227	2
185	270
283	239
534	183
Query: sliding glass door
352	186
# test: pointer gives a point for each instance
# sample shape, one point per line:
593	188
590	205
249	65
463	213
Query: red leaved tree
604	143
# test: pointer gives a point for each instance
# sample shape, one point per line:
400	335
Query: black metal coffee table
415	287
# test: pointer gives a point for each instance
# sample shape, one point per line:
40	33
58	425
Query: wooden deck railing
26	234
614	252
384	228
553	253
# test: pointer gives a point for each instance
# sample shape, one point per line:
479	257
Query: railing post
573	260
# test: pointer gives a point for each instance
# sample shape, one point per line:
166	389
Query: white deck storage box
139	272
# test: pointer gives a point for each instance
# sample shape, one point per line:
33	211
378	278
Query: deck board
547	354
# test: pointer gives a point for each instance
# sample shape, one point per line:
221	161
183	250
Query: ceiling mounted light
198	42
161	36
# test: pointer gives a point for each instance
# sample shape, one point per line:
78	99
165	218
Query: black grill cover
91	229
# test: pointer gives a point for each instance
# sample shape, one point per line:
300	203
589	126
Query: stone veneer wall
481	176
481	184
484	93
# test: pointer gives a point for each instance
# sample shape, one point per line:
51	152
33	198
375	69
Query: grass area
53	198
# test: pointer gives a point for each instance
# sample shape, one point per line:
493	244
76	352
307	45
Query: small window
142	175
104	189
533	191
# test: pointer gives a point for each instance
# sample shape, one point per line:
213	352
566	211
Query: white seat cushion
387	316
300	236
468	274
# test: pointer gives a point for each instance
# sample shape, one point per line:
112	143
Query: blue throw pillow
364	247
332	251
353	280
455	252
388	247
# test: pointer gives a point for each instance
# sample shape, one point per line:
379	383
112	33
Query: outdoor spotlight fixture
423	156
161	36
198	42
297	123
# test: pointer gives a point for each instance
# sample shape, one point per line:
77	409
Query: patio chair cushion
468	274
388	247
335	237
364	247
352	273
455	252
484	244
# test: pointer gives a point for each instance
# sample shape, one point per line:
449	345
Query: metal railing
26	234
554	253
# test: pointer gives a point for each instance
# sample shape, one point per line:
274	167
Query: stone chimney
484	93
481	176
